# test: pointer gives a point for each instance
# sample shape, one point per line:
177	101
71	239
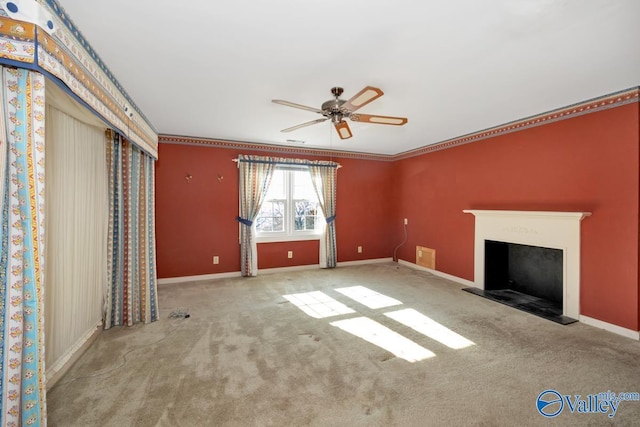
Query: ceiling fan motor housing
333	107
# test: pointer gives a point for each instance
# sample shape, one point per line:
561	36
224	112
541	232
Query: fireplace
531	270
525	277
531	258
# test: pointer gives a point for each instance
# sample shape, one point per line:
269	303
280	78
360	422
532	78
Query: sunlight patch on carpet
318	304
367	297
429	327
383	337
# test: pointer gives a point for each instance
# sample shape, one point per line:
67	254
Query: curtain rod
276	162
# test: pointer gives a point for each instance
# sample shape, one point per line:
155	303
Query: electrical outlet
406	221
216	259
290	254
420	254
359	249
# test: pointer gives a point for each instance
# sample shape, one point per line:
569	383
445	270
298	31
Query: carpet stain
230	347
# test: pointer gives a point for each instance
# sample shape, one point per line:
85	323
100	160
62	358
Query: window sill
287	238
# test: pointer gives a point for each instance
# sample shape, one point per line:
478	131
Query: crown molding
270	148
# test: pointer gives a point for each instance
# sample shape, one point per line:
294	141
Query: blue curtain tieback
331	219
244	221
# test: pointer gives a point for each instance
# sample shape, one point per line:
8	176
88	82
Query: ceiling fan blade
343	130
312	122
383	120
362	98
294	105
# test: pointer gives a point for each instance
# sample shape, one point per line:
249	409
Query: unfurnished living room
343	213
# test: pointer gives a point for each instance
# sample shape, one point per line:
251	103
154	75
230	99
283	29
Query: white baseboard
457	279
62	365
364	262
182	279
635	335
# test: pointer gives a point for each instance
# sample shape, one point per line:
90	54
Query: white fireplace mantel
558	230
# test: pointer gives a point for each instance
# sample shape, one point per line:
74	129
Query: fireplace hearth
537	306
525	277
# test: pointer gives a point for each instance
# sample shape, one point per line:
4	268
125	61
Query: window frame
290	234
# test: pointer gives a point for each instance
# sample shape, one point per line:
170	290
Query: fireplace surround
546	229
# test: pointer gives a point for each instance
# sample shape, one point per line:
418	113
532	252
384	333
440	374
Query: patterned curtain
324	176
22	370
131	296
255	176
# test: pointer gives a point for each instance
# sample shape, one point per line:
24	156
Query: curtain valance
286	161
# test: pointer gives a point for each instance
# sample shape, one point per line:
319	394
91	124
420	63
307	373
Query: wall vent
426	257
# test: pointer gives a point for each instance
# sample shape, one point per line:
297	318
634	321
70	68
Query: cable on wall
395	257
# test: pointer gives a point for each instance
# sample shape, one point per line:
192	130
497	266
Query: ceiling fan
338	109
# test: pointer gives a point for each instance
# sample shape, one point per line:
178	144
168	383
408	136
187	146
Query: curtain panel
22	257
324	176
76	228
255	176
131	294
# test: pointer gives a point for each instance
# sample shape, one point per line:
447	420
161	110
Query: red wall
195	219
272	255
363	210
587	163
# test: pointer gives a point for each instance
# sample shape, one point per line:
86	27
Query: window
290	210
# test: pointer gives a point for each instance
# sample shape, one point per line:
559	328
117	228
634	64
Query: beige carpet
247	356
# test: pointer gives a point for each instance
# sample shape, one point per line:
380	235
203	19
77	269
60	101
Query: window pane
303	207
277	189
264	223
271	216
306	213
266	209
278	224
311	222
302	186
278	208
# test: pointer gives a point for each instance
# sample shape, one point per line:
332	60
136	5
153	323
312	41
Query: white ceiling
210	69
